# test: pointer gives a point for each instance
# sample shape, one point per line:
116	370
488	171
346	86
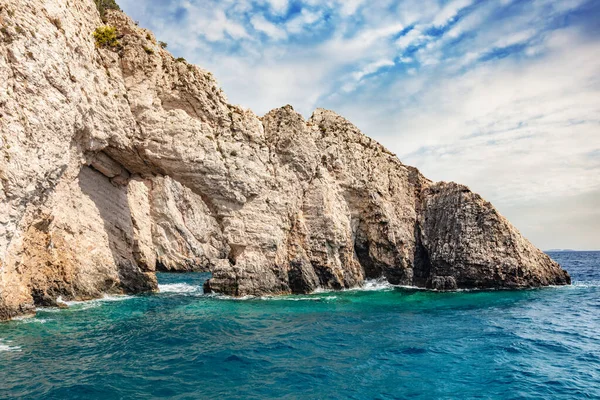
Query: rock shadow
113	205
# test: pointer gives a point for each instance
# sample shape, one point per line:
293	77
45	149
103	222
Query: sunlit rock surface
118	161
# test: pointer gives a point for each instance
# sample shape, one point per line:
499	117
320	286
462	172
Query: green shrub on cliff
106	36
104	5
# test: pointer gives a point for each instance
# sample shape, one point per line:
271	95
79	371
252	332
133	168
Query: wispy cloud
279	6
367	70
298	24
449	12
262	25
500	95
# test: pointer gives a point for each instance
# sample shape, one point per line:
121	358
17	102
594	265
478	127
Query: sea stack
117	159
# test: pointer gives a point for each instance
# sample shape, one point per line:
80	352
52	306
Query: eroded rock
117	160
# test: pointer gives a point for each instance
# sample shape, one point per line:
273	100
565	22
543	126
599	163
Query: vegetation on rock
106	36
104	5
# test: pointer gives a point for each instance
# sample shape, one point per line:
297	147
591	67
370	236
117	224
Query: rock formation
115	161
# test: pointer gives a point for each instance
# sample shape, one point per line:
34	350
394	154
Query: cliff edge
117	159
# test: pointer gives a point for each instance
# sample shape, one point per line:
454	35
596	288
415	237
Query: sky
500	95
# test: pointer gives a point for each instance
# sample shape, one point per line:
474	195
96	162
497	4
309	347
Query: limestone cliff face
118	161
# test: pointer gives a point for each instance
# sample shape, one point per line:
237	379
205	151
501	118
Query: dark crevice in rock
235	251
300	279
422	264
189	266
371	269
327	278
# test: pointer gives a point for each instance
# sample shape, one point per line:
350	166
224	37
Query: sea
376	342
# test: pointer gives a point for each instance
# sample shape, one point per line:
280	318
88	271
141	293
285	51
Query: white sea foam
7	348
86	304
80	305
48	309
31	320
323	290
178	288
290	298
226	297
376	284
270	298
575	285
369	285
298	298
587	283
119	297
221	296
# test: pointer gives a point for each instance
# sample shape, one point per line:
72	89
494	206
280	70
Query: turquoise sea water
382	342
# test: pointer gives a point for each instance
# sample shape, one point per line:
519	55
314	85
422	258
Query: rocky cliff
117	159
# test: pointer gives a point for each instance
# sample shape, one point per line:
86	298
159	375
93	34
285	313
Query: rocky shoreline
118	160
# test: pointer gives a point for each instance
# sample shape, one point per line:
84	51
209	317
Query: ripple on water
379	341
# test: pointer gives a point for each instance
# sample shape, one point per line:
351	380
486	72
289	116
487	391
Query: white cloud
368	69
302	21
449	12
519	133
414	37
515	38
371	68
513	132
273	31
370	43
279	6
520	128
371	35
349	7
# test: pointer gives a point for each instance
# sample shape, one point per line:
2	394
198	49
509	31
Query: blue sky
502	95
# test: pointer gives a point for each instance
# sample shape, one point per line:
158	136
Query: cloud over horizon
503	96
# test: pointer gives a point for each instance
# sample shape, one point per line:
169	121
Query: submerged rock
117	160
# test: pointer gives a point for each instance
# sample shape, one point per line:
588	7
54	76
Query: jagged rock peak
119	160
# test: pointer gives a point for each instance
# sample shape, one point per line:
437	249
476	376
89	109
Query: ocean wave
179	288
7	348
375	285
80	305
118	297
298	298
576	285
105	298
31	320
220	296
586	284
89	304
369	285
48	309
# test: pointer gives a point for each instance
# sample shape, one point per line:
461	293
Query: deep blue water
389	343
